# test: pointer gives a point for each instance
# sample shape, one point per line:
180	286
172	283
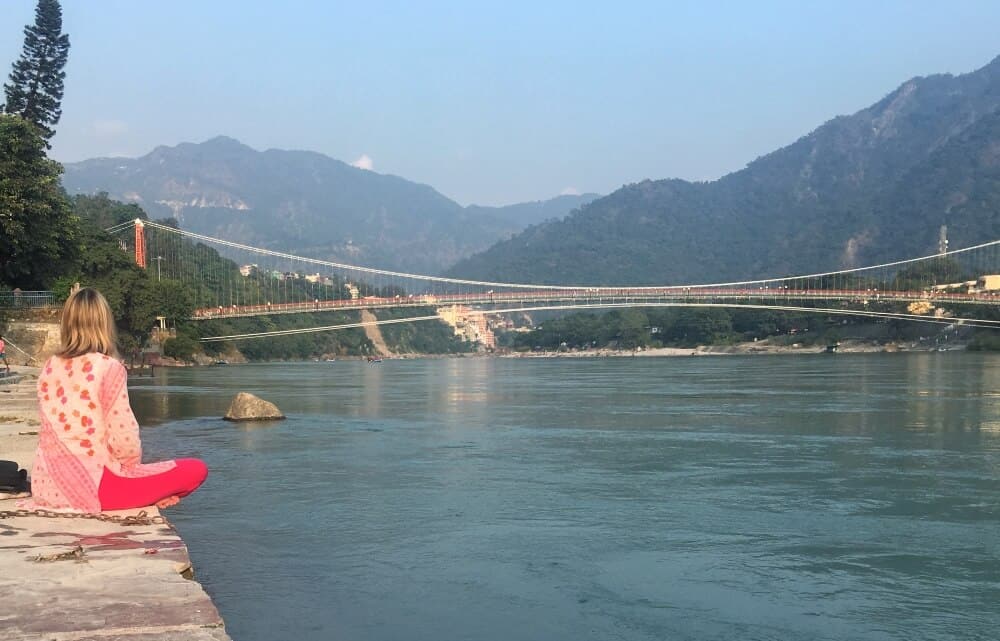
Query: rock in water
247	407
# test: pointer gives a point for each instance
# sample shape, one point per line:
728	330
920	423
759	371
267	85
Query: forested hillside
859	189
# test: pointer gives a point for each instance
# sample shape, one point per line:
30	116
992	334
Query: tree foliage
631	329
136	299
103	212
35	89
986	341
182	347
38	232
938	271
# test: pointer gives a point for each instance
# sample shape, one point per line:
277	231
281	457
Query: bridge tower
943	239
140	243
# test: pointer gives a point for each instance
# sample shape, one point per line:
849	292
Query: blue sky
494	103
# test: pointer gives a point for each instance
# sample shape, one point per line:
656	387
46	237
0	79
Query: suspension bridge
233	280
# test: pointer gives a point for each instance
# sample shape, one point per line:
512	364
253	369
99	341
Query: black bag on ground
12	478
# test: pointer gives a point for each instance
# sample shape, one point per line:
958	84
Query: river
849	496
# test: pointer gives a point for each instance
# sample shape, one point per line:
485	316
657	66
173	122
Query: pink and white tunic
87	427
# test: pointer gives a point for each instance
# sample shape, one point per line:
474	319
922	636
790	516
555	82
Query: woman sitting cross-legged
89	457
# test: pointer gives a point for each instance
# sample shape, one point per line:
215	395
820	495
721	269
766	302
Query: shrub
180	348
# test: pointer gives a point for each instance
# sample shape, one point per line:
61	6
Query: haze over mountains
860	189
307	203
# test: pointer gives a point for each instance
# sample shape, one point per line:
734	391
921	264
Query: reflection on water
828	497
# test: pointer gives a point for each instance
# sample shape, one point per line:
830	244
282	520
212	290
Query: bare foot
167	502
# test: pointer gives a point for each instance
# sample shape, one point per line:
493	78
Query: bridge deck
602	296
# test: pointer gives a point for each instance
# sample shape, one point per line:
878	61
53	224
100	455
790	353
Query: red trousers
121	493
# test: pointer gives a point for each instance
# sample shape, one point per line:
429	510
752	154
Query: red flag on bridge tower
140	244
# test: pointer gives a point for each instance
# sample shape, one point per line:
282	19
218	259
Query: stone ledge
110	581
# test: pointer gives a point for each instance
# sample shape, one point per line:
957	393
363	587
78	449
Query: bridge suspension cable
228	279
482	283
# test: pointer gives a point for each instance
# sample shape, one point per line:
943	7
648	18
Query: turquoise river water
851	497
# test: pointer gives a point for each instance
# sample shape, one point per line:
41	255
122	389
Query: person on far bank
3	354
89	457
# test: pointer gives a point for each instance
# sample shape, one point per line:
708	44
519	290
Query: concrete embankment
75	579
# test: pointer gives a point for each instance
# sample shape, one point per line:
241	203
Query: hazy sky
494	102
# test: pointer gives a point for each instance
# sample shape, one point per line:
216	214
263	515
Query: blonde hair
87	325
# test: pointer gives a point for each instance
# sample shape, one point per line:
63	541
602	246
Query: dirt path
374	334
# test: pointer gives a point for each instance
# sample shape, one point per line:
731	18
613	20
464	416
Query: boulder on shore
247	407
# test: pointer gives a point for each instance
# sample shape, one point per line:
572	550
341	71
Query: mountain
525	214
306	203
860	189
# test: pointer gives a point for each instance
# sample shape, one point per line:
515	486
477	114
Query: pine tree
35	89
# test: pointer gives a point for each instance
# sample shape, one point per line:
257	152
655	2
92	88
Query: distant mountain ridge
530	213
860	189
308	203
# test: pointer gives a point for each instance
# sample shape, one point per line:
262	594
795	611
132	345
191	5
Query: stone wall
37	335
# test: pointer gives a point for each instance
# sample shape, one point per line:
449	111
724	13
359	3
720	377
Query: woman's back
89	456
81	429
